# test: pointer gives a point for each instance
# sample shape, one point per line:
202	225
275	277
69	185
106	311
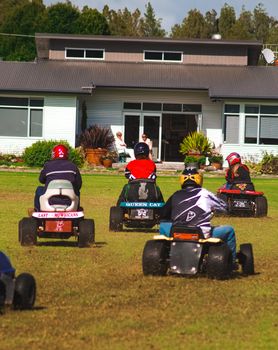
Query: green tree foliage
123	22
261	23
226	21
61	18
193	26
151	25
91	21
243	29
211	24
26	19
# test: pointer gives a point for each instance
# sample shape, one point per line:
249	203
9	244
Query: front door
137	124
175	127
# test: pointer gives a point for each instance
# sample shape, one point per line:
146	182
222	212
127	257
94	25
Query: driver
194	206
58	168
237	175
142	167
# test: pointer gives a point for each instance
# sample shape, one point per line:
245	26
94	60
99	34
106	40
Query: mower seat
62	189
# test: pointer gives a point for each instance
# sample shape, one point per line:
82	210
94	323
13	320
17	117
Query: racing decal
242	187
143	192
55	215
190	215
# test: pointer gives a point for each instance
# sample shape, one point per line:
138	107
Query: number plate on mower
241	204
141	214
58	226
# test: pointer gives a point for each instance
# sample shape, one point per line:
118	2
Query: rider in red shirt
142	167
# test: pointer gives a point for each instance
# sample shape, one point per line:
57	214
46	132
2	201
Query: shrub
40	152
216	158
195	142
269	163
96	137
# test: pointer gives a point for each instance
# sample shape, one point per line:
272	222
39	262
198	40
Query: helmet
233	158
191	177
60	152
141	148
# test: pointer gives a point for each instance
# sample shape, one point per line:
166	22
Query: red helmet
233	158
60	152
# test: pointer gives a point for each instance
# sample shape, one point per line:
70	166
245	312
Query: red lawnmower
244	203
57	220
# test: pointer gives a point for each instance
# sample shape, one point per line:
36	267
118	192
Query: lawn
97	298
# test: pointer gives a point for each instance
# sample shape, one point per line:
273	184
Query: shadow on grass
69	244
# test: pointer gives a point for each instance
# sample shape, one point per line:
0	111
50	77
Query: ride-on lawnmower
187	252
244	202
140	207
61	220
18	292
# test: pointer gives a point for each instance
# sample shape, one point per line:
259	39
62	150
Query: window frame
29	107
84	54
163	54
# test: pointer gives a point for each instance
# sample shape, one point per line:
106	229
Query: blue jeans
39	192
227	234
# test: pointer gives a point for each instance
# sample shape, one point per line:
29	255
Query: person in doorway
121	147
238	174
145	139
58	168
193	205
142	167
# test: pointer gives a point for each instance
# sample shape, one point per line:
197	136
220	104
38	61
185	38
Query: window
192	108
89	54
166	56
175	107
261	124
231	123
132	105
231	128
251	127
21	117
148	106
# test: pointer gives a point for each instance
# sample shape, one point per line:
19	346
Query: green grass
97	298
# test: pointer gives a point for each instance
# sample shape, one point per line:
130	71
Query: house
163	87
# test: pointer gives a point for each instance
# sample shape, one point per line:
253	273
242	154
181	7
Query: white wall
105	106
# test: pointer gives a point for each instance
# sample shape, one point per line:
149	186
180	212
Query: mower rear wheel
86	233
25	292
27	231
246	259
219	261
155	258
260	206
116	219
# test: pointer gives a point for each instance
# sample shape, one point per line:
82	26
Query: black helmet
141	148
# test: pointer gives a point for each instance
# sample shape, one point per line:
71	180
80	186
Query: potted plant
196	144
109	158
216	160
96	140
191	161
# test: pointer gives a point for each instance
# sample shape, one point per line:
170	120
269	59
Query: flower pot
93	155
107	163
217	166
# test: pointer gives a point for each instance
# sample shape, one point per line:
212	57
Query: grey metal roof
74	77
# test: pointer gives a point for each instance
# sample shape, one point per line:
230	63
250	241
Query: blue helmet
141	148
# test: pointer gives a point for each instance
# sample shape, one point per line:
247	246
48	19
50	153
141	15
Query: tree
226	21
193	26
123	22
211	24
151	25
25	19
61	18
91	21
243	29
261	23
